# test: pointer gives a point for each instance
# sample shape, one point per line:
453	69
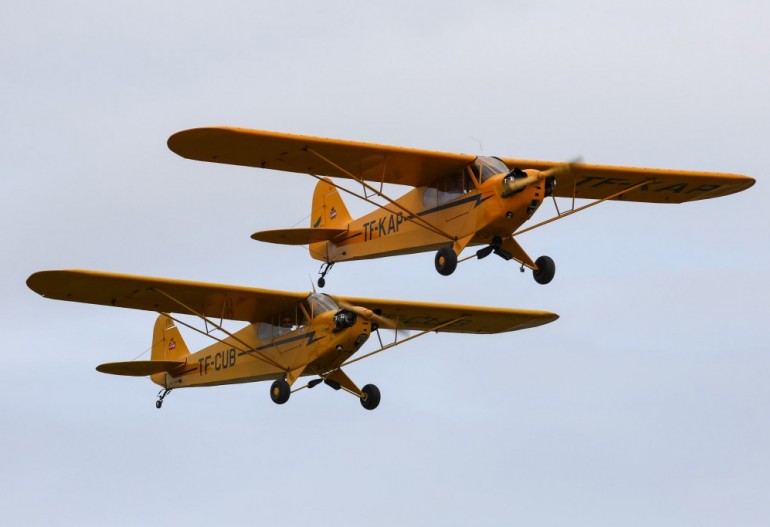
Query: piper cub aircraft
289	335
458	200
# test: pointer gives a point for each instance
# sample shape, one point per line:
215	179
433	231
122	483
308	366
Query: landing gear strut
325	268
162	395
494	247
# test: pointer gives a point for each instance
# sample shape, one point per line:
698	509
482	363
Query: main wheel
321	282
158	404
371	398
280	391
546	270
446	261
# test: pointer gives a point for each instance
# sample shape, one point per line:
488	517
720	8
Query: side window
447	188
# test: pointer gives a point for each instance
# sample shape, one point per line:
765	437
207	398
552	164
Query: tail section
167	345
329	212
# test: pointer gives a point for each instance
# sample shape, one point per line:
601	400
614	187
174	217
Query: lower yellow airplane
457	200
288	336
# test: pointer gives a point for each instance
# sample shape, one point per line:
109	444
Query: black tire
280	391
371	398
546	270
446	261
321	282
158	404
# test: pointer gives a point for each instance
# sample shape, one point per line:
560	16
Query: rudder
327	211
167	345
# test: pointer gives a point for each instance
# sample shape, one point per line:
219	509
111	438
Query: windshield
321	303
486	167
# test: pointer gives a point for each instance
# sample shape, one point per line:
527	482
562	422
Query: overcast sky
646	403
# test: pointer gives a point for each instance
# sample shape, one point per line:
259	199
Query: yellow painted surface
430	216
289	334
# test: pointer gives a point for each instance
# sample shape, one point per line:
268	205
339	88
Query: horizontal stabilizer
139	368
297	236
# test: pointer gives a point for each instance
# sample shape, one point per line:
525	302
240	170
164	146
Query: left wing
163	295
423	316
294	153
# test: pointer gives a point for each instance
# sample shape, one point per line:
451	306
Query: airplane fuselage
262	351
468	218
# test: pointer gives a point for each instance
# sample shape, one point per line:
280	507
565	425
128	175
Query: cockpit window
486	167
321	303
447	188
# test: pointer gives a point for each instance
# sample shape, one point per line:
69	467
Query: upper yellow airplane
458	200
290	335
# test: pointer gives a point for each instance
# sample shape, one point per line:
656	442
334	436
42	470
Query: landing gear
546	270
325	268
494	247
446	261
371	398
280	391
161	395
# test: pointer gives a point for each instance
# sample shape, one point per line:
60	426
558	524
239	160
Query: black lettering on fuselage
384	226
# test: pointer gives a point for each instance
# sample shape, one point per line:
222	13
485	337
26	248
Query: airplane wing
255	305
423	316
418	168
295	153
664	186
163	295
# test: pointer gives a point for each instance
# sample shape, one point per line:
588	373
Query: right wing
422	316
663	185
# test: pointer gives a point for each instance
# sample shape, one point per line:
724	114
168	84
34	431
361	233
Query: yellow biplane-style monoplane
288	336
458	200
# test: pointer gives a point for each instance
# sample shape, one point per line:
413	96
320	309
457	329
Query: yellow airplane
458	200
288	336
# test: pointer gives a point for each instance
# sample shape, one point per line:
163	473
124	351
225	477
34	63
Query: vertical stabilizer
167	345
328	211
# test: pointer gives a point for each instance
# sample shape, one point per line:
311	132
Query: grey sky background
645	403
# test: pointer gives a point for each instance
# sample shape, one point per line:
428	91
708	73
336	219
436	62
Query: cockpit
320	303
290	320
454	185
486	167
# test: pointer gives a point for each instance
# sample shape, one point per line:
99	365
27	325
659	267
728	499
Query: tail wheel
546	270
446	261
371	398
280	391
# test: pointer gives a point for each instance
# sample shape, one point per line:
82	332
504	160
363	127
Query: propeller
517	180
368	314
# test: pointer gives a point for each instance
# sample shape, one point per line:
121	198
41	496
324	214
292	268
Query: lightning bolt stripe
309	336
475	197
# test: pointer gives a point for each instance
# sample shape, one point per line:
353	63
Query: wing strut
383	348
584	207
411	215
248	349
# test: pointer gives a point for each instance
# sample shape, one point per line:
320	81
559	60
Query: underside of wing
297	236
316	155
140	368
164	295
651	185
423	316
